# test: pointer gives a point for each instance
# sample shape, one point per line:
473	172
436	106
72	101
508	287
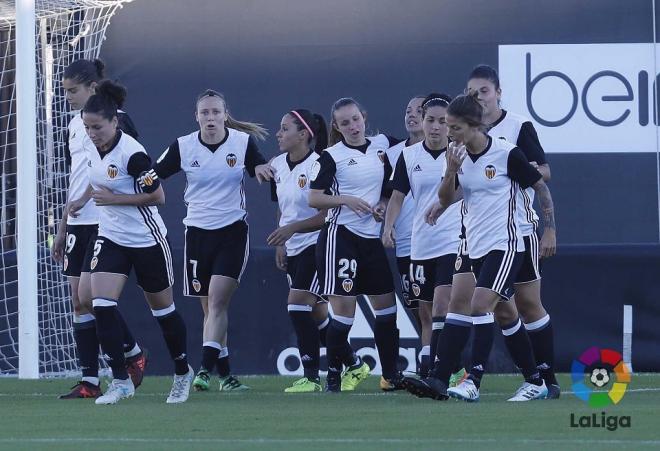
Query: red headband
294	112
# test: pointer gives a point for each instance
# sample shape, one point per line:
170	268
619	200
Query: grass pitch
267	419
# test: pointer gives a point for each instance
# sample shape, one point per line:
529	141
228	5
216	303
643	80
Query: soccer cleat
353	375
466	391
118	390
135	367
304	385
554	391
230	383
333	383
83	390
429	387
458	377
529	392
181	387
393	384
202	380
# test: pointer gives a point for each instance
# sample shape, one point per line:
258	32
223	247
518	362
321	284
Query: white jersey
519	130
79	144
490	182
215	193
359	172
403	224
118	171
419	171
290	189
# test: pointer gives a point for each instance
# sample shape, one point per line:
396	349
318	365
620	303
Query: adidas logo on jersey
195	164
352	162
417	168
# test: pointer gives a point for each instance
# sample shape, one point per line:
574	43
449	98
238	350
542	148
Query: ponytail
108	98
314	124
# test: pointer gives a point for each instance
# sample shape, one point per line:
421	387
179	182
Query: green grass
266	419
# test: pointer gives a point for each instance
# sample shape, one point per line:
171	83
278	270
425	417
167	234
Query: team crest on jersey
416	289
66	262
93	263
112	171
302	180
490	171
347	285
197	286
459	262
381	156
231	160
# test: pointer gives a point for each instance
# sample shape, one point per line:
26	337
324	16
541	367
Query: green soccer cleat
458	377
304	385
354	375
202	381
230	383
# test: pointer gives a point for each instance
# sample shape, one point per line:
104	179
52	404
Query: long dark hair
314	124
107	99
84	72
467	108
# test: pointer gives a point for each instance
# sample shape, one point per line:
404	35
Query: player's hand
356	204
280	258
264	173
388	238
548	243
456	153
534	164
103	196
74	207
379	211
433	213
279	236
57	249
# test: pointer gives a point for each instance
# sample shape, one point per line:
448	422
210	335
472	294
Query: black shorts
497	271
219	252
403	266
463	262
78	248
530	269
153	264
301	271
426	275
351	265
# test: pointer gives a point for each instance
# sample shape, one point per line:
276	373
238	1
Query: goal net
66	30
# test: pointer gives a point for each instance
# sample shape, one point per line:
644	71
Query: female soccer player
418	173
214	159
490	178
131	235
502	124
349	180
297	233
76	235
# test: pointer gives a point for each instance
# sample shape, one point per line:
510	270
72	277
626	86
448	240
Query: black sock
174	333
337	338
438	325
452	340
424	361
222	363
323	331
127	337
541	335
484	325
210	353
386	335
520	348
308	339
108	331
87	345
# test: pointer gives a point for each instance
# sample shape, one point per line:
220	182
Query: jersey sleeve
323	172
138	163
273	191
253	157
169	162
400	180
529	143
519	169
393	141
386	188
126	125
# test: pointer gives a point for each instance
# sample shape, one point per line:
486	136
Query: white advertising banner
584	97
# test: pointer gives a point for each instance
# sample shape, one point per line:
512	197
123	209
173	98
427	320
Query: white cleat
529	392
466	391
181	387
118	389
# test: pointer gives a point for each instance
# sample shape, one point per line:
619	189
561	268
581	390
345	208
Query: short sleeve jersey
403	224
118	170
290	189
354	171
215	193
